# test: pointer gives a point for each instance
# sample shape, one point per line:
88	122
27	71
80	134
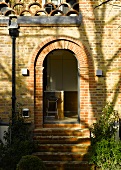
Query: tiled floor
52	119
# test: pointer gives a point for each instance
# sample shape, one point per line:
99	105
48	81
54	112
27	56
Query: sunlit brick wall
99	33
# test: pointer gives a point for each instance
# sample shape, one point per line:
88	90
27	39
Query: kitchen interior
60	87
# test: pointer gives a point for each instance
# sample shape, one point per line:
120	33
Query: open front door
60	87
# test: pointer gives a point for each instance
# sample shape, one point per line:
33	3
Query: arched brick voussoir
77	49
60	42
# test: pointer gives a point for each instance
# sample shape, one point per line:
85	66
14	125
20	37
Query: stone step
61	156
68	165
61	140
63	148
83	148
61	132
81	126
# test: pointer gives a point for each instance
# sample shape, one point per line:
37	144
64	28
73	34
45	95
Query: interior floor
66	119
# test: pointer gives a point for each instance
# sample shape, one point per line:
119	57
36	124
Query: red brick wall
96	45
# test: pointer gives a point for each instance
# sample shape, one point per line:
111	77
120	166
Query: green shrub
107	154
18	143
30	162
104	127
105	150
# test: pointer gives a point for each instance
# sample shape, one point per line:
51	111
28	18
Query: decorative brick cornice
23	9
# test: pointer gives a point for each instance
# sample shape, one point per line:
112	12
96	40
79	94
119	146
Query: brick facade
96	45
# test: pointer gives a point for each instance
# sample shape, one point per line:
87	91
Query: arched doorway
60	81
35	80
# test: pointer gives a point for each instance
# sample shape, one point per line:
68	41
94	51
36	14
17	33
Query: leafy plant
30	162
105	126
107	154
18	143
105	150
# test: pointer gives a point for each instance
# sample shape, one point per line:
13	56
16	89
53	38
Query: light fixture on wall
24	71
25	112
99	72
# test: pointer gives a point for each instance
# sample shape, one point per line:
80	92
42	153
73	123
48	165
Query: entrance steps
63	148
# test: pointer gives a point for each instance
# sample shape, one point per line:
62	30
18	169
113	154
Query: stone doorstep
61	137
59	153
65	145
62	156
67	162
74	145
62	140
63	148
64	126
68	165
61	131
60	163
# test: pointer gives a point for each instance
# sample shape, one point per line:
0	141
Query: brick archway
36	72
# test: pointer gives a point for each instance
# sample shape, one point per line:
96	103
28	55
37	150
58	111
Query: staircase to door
63	148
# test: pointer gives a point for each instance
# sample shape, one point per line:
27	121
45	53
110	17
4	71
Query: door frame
77	79
35	79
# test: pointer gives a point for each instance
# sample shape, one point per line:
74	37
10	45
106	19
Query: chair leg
55	111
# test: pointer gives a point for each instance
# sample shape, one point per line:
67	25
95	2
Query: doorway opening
60	87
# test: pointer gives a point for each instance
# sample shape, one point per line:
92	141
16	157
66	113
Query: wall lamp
99	73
